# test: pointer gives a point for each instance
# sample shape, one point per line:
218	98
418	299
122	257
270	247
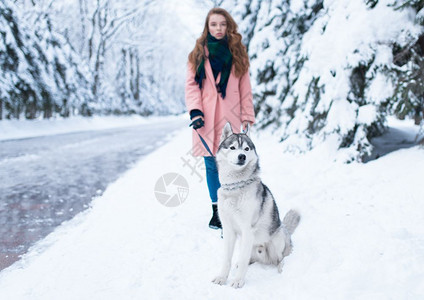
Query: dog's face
236	149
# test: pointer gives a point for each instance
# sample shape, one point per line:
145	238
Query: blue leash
205	144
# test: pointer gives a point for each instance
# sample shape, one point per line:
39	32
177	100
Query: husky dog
247	209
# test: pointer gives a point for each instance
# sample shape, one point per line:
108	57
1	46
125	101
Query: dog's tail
291	220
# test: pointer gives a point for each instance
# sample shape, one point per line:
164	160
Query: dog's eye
233	148
246	149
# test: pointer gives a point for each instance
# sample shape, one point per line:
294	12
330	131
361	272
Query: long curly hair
238	50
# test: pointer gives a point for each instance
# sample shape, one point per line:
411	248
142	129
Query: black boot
215	223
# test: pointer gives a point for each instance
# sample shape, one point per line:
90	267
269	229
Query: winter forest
322	71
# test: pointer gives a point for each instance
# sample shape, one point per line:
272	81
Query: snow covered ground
361	235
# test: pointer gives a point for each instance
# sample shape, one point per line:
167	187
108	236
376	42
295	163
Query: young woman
217	91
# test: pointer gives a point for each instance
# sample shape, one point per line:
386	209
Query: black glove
198	123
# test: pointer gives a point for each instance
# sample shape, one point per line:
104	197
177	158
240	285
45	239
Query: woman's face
217	26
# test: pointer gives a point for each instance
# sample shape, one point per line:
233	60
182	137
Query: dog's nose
242	157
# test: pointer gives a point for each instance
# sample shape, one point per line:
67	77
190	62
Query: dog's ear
226	132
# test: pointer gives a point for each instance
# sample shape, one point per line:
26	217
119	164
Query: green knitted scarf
221	60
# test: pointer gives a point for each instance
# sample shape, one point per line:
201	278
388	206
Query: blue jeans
212	178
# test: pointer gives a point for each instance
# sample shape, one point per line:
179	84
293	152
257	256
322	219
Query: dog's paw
237	283
220	280
280	266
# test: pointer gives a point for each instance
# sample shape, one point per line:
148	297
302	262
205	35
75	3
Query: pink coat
235	108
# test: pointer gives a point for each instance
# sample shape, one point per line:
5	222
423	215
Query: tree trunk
83	15
417	117
98	67
137	78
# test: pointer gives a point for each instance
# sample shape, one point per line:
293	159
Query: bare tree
106	22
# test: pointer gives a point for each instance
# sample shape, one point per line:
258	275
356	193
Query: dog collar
237	185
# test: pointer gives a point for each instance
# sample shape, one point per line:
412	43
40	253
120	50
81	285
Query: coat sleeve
246	99
193	95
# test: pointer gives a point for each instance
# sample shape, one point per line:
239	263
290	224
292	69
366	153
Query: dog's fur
247	209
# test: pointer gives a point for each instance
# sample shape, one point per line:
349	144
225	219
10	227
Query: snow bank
360	237
18	129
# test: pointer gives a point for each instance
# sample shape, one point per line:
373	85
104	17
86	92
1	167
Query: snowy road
47	180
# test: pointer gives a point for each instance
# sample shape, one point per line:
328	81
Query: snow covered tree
40	72
408	75
91	57
123	44
245	12
319	69
408	70
128	80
